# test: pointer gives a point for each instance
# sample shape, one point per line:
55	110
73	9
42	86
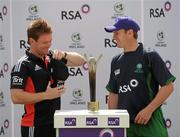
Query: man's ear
130	32
31	41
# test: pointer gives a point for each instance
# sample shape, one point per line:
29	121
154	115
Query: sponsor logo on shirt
117	72
37	68
125	88
16	80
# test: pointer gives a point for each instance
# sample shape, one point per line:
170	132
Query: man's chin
45	52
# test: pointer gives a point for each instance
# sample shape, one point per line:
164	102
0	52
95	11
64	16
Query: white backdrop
78	25
5	63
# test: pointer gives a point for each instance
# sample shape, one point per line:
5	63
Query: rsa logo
23	44
75	71
4	69
157	13
160	12
4	127
110	43
3	12
70	15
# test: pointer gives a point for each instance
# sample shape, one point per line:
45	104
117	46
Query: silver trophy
93	105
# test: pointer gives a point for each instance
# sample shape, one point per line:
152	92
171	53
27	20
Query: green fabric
148	81
155	127
172	79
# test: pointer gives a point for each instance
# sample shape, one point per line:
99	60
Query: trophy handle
100	56
85	56
87	60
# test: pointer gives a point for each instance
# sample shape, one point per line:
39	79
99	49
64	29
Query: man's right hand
52	93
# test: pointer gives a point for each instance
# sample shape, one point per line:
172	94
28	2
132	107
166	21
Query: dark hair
135	34
37	28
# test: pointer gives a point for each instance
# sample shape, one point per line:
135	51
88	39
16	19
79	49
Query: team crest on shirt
117	72
139	68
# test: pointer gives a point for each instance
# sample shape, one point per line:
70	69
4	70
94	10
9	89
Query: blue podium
85	123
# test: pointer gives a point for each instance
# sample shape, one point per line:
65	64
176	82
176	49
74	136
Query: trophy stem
92	83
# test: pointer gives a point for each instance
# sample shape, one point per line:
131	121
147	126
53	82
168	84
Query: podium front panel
91	132
84	123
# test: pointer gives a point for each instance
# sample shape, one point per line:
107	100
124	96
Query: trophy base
93	106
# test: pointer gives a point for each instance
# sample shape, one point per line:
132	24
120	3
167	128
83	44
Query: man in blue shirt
135	79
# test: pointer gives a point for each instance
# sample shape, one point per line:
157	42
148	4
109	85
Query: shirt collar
139	48
32	56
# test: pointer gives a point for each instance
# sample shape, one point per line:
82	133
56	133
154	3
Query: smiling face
40	47
120	37
39	35
123	37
